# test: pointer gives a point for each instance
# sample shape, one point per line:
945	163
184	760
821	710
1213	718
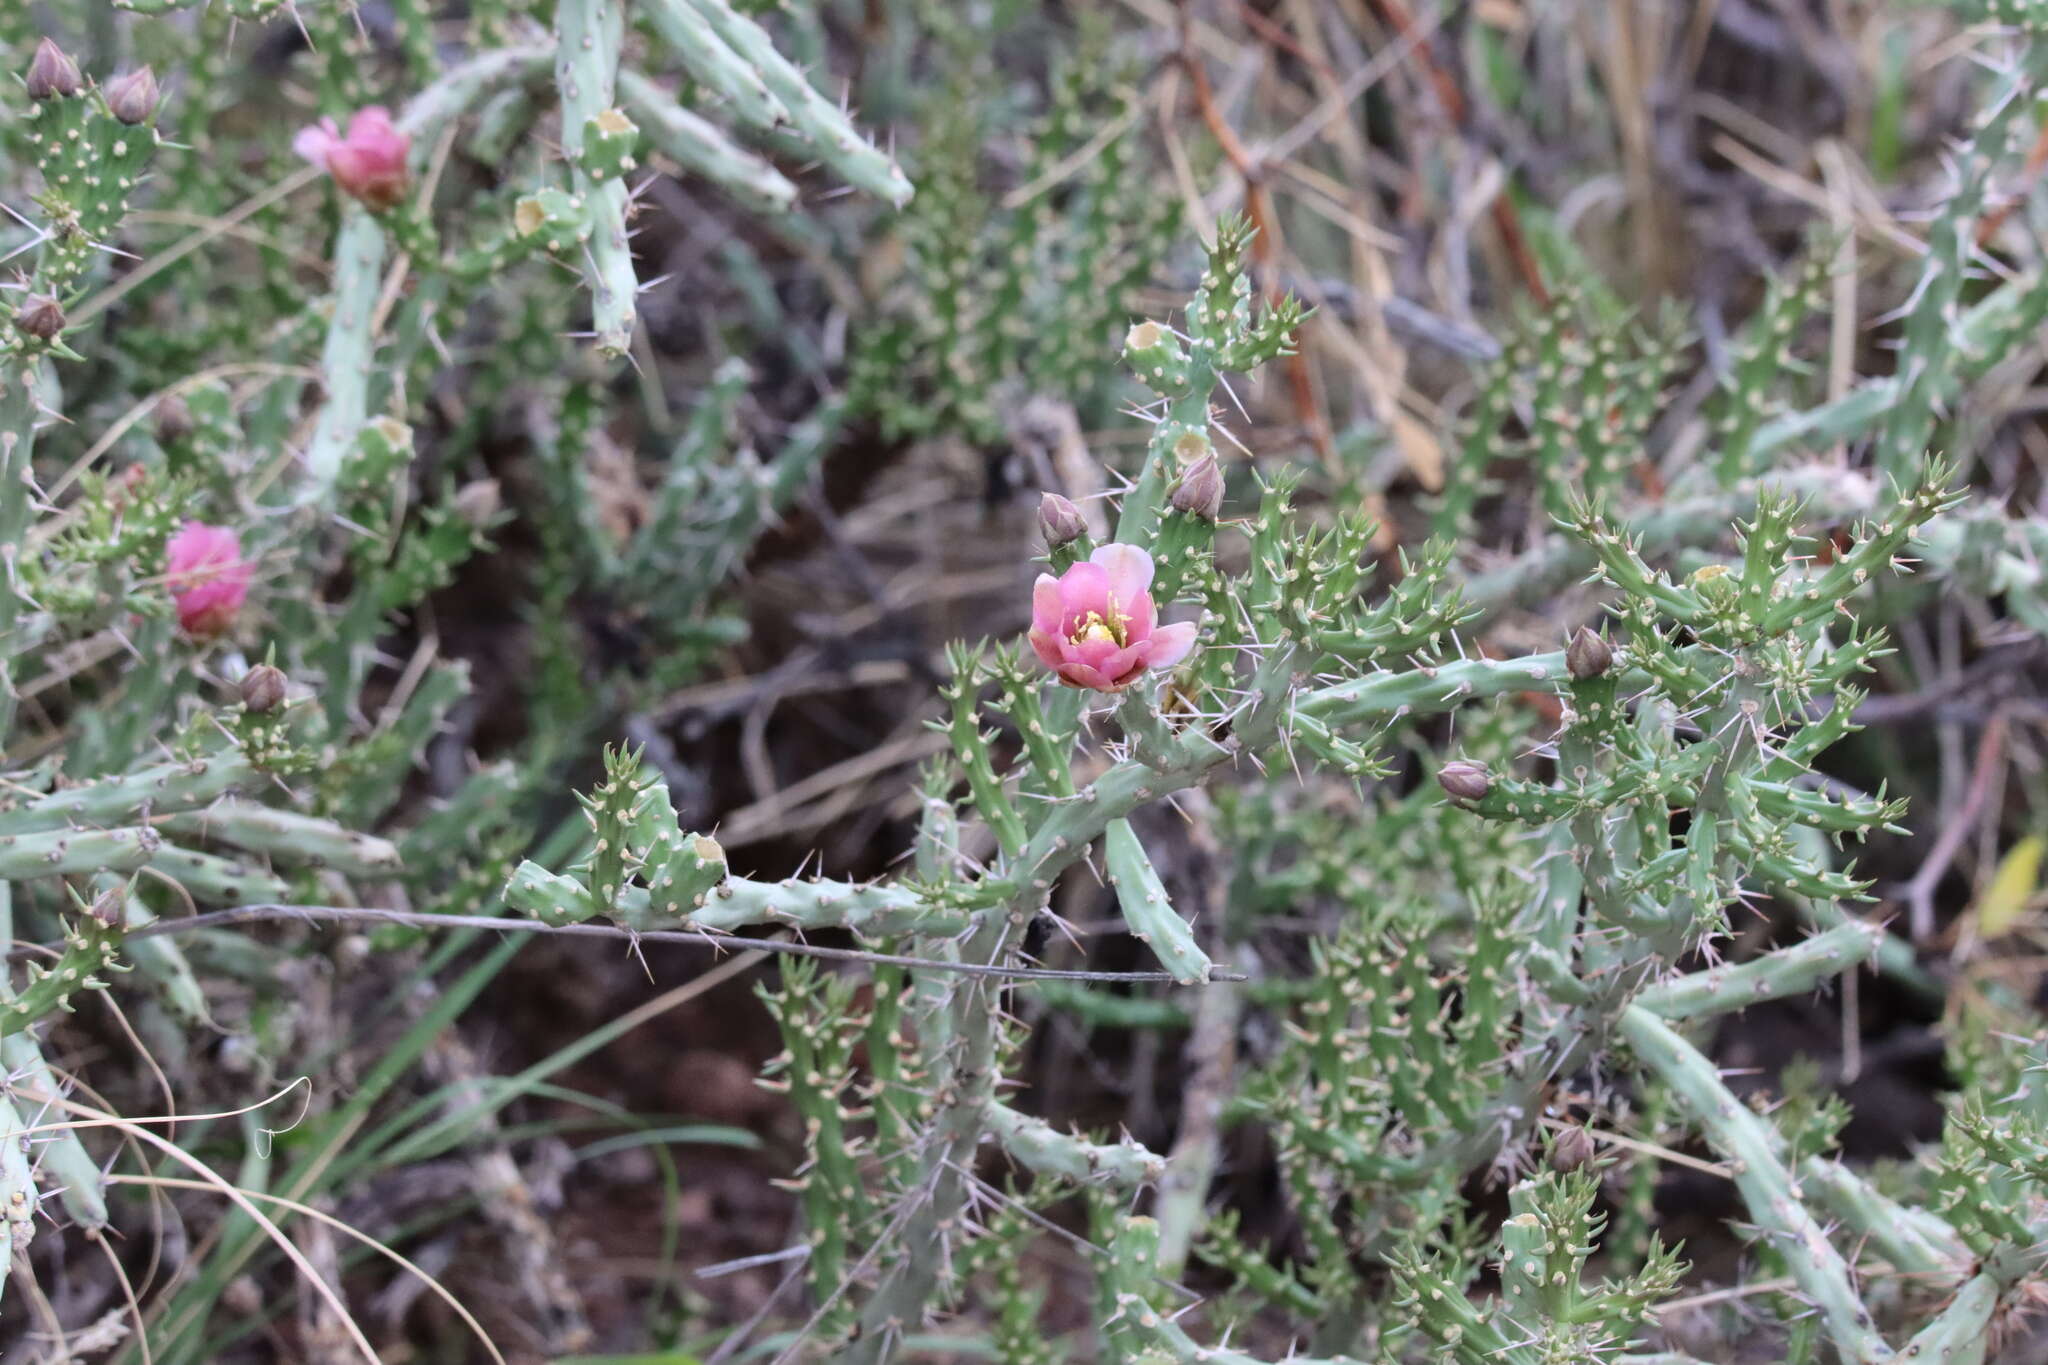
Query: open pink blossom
207	576
1094	625
368	164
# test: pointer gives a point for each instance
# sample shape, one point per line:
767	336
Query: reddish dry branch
1265	245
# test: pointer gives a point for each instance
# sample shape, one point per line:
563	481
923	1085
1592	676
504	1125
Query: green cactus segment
289	837
159	790
1221	337
645	872
822	125
90	162
1792	971
725	76
1912	1240
212	880
701	148
820	1028
89	957
611	143
1148	914
18	1198
159	960
65	1164
347	356
463	87
1767	1187
1961	1333
1429	689
52	852
588	34
1037	1146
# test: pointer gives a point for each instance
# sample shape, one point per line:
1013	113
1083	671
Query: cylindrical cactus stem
1915	1241
1037	1146
89	949
461	87
1767	1188
723	73
289	836
64	1162
1148	914
47	853
218	881
1790	971
700	147
1961	1333
1443	687
18	1200
346	358
159	958
821	122
158	790
588	34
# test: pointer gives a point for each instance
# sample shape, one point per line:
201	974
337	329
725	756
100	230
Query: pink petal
371	121
1139	617
1105	656
1080	675
1129	570
1047	607
1047	647
315	142
1084	589
1170	644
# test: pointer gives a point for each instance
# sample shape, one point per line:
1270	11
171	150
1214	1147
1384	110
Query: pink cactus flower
368	164
1095	626
207	576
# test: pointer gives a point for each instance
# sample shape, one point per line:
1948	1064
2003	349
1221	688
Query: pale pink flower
1095	626
368	164
207	576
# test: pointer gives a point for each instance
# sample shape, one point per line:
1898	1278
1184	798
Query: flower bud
52	75
1061	521
1570	1149
1465	780
478	502
133	97
263	688
109	907
1200	490
40	316
173	420
1587	656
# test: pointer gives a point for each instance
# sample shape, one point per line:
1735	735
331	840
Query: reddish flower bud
40	316
52	75
173	420
1570	1149
207	577
478	502
368	164
1200	490
1061	521
133	97
1465	780
1587	656
263	688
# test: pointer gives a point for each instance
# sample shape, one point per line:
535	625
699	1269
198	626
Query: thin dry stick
1920	891
260	914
